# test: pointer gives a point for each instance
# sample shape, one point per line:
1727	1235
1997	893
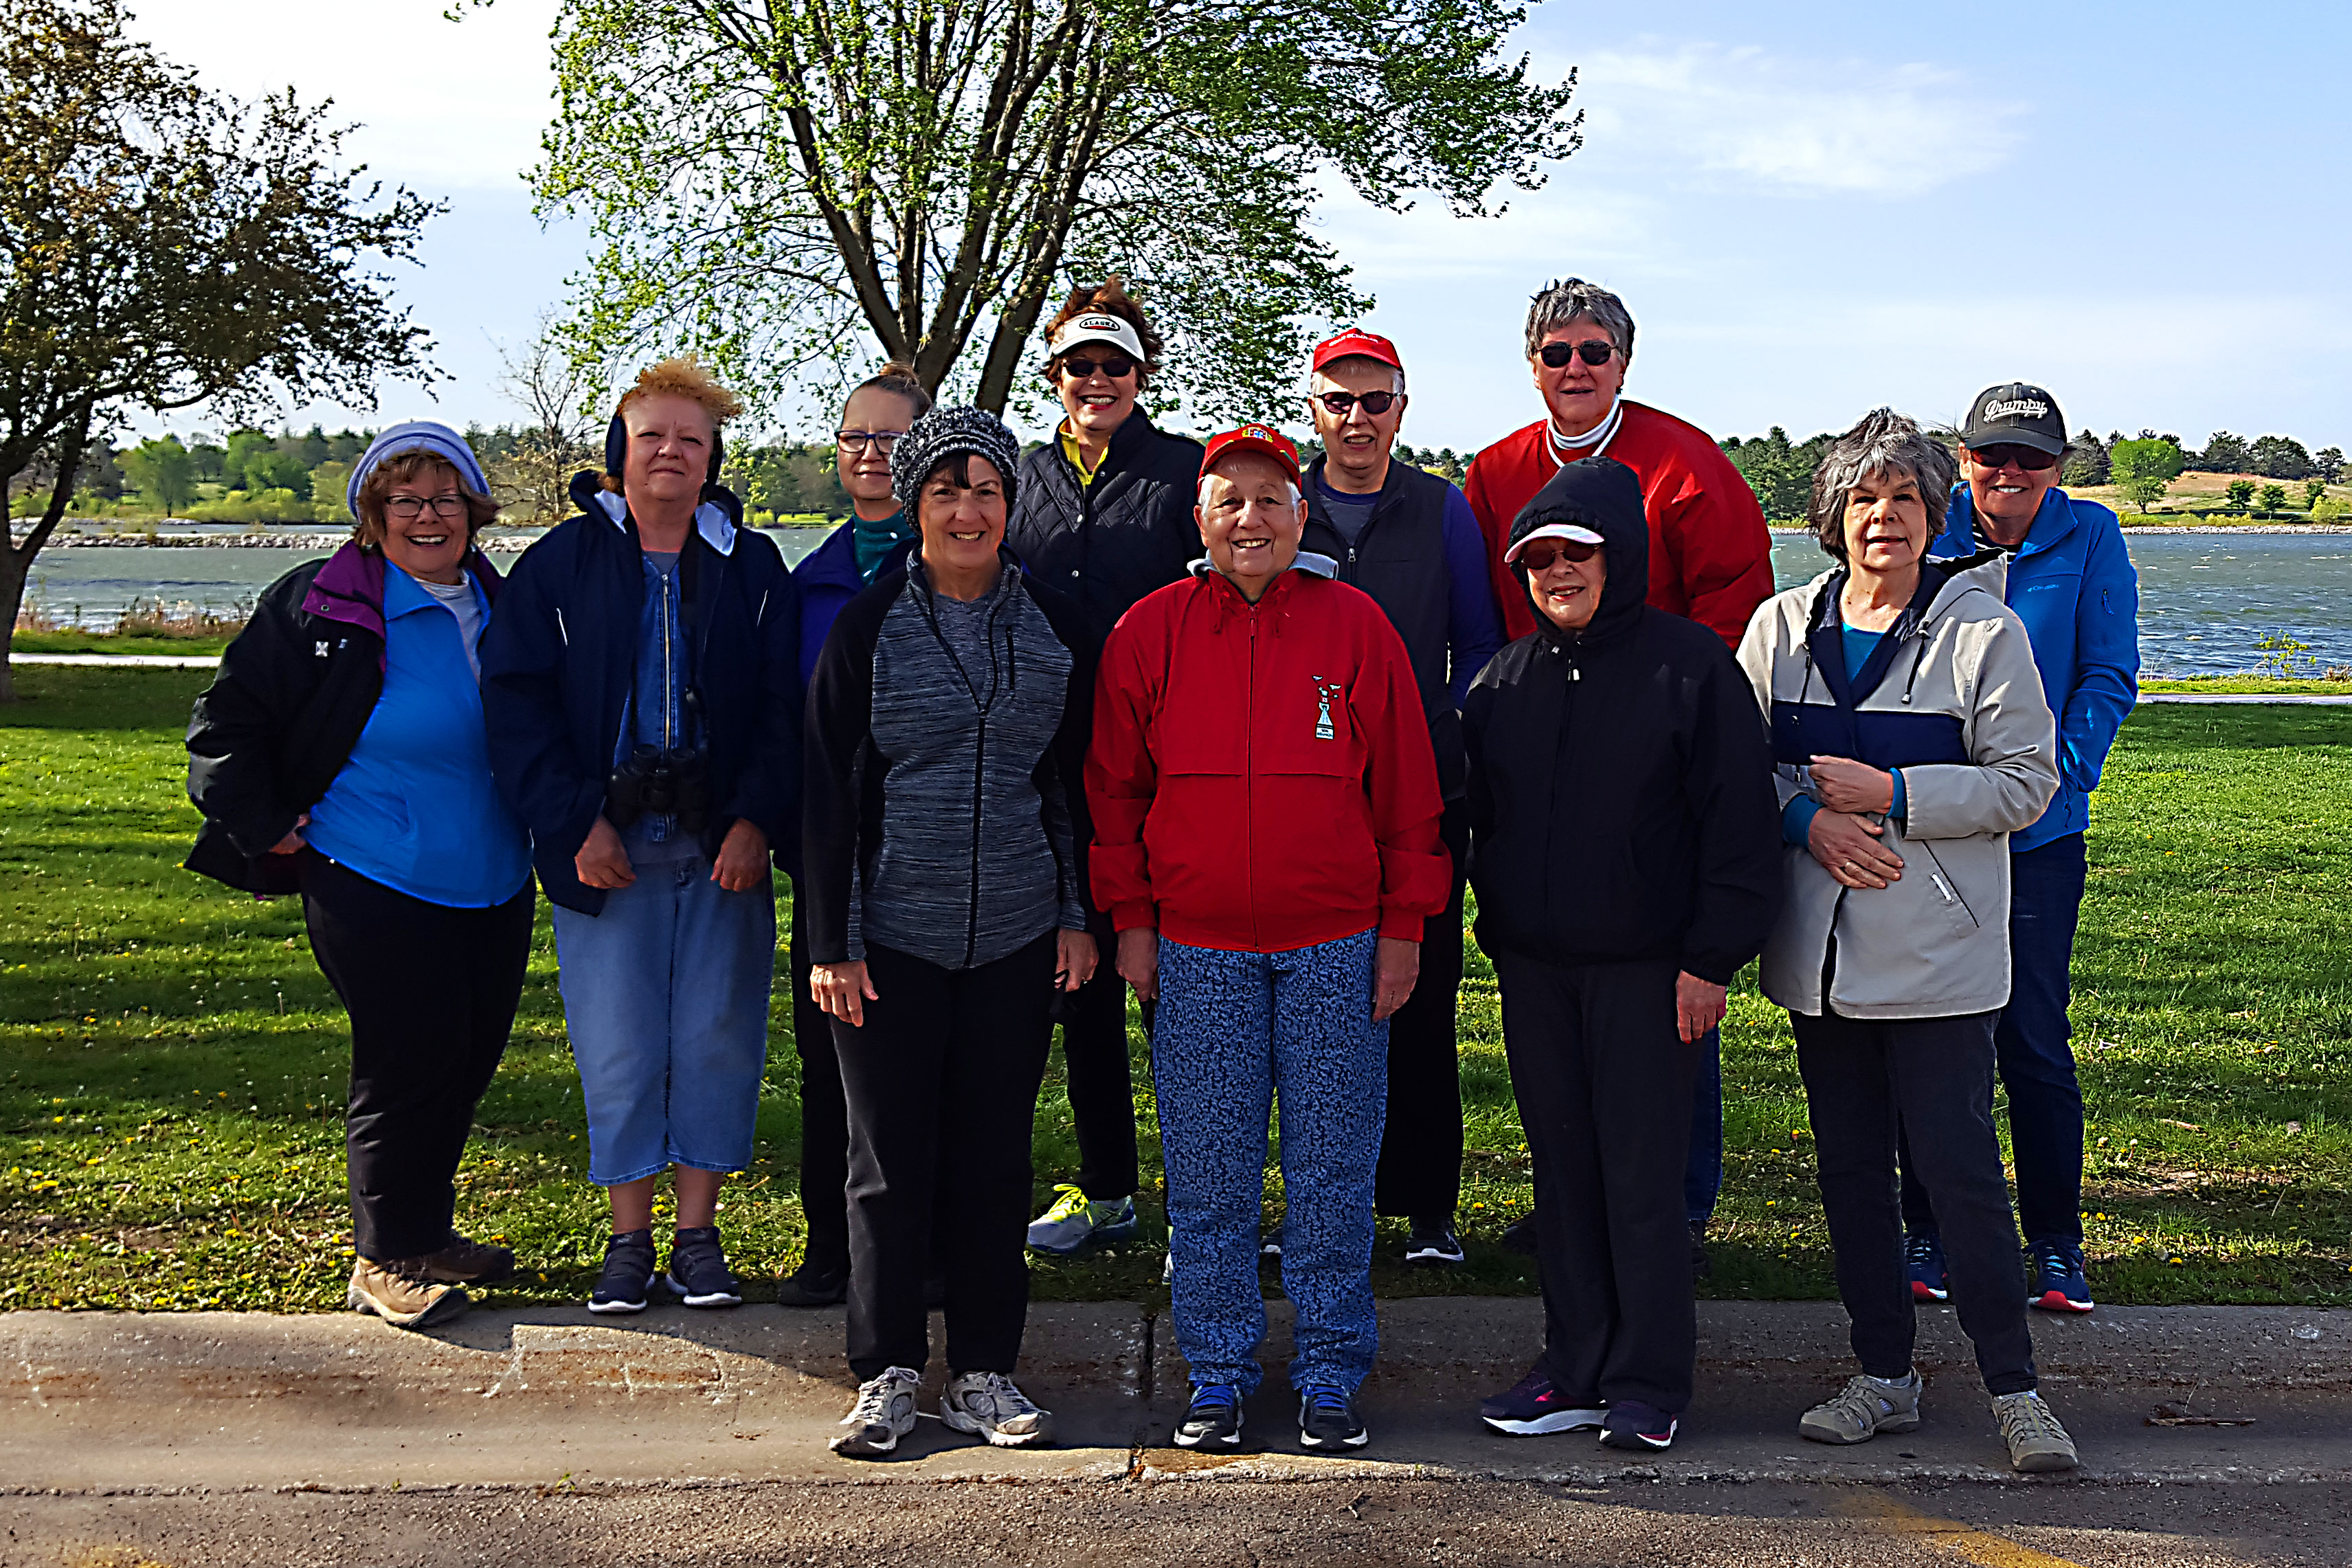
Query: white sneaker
2037	1444
885	1411
989	1405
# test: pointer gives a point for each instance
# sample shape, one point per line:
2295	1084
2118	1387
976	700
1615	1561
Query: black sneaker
698	1275
1214	1420
1633	1425
628	1276
1534	1407
806	1286
1432	1245
1519	1236
1327	1420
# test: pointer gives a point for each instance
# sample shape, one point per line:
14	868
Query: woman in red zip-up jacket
1265	810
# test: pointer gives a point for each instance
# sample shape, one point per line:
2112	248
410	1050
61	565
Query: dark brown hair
1110	296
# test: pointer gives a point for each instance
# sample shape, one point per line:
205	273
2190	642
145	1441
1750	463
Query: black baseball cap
2015	411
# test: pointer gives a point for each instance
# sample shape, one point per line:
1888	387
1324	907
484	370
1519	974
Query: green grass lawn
172	1065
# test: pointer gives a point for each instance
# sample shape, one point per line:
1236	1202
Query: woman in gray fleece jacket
1911	739
945	891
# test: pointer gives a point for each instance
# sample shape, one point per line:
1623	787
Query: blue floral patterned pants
1234	1031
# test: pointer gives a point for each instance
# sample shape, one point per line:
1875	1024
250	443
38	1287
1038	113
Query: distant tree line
1780	471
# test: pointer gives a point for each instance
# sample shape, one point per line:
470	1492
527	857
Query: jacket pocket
1944	892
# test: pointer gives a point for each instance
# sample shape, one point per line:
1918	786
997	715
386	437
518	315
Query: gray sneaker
885	1411
989	1405
1866	1408
1075	1223
2037	1444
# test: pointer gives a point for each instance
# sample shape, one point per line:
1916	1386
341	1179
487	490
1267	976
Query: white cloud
443	106
1814	125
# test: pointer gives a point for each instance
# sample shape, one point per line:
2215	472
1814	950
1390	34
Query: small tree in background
2312	490
2241	493
559	438
2278	458
2085	462
2223	454
2274	497
163	471
2329	462
2144	467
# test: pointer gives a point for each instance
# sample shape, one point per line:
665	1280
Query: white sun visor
1097	327
1574	534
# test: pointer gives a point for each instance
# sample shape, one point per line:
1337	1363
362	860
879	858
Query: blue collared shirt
414	807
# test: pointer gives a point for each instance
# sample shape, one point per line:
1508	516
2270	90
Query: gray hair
1200	489
1396	372
1567	299
1885	442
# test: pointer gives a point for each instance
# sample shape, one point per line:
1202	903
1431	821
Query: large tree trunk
17	559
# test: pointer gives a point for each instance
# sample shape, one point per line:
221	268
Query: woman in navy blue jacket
643	695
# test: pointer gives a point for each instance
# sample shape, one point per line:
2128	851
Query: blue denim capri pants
666	996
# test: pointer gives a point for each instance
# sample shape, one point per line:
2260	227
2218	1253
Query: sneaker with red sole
1922	1259
1633	1425
2059	1284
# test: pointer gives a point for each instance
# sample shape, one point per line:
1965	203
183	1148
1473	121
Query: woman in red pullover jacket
1265	810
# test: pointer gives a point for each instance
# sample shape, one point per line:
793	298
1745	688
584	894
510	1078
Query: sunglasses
858	440
1375	403
2000	455
1591	350
1544	555
1119	367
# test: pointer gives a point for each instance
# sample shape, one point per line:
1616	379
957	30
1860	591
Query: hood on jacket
1605	496
716	518
349	587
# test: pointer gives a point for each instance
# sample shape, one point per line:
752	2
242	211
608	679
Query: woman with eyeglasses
1104	515
1626	861
340	753
1911	739
1710	556
877	538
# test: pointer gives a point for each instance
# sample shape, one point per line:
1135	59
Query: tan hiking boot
401	1300
460	1261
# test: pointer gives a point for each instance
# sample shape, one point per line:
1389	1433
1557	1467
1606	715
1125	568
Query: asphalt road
1208	1523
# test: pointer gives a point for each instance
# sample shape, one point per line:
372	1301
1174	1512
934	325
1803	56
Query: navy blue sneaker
627	1278
1533	1406
1633	1425
1214	1420
1327	1420
2059	1284
698	1275
1924	1256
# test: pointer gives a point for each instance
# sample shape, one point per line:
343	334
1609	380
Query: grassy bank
2249	686
172	1065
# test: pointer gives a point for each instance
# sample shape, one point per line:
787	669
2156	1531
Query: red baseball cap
1356	340
1262	439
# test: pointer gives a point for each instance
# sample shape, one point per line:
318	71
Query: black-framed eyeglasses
2000	454
1119	367
1375	403
408	509
1541	557
858	440
1591	350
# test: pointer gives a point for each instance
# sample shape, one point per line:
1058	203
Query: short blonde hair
407	466
683	377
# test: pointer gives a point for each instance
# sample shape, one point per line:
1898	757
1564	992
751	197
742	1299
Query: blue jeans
2034	1049
1234	1030
1703	1169
665	998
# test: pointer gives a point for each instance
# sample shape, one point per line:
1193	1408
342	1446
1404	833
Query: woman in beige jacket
1911	738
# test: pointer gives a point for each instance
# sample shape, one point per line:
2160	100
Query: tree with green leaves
785	184
2223	454
2144	469
162	246
163	471
2241	493
2329	463
1780	472
2273	498
2085	462
2278	458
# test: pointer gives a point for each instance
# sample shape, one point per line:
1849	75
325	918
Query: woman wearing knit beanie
944	885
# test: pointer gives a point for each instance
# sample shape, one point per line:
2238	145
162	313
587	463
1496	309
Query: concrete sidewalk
105	1403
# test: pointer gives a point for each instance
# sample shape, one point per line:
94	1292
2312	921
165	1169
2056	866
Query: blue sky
1811	210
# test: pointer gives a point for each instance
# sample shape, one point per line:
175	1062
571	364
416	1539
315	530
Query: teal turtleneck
875	541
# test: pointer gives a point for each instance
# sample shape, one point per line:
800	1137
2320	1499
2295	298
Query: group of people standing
1232	732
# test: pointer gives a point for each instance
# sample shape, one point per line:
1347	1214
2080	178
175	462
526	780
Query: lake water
2205	598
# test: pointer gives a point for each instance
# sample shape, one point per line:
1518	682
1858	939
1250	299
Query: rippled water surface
2205	599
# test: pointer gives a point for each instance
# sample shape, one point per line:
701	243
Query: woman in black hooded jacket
1624	848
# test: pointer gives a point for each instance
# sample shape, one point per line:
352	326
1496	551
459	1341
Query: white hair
1201	493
